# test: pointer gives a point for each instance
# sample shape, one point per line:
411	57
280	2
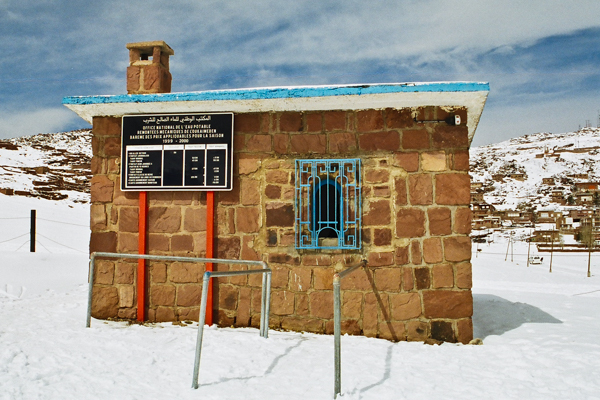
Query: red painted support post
142	249
210	242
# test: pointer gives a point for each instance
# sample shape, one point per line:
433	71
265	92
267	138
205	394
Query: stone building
404	151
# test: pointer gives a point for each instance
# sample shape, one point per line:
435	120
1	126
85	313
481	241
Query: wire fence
17	245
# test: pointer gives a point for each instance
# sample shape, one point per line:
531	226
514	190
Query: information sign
177	152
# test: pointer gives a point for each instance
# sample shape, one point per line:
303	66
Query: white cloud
25	123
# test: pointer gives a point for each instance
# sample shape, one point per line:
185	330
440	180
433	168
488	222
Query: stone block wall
416	222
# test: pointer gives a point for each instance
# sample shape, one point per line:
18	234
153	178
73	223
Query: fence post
32	232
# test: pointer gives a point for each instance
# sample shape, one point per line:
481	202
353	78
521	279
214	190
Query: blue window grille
328	204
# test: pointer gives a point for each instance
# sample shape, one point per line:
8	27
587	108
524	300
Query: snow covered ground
540	332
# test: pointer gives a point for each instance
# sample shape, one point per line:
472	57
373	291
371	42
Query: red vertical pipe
142	249
210	242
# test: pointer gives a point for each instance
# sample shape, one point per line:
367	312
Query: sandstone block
103	241
405	306
378	259
377	213
410	222
321	304
105	302
259	143
335	120
247	165
440	221
290	122
189	295
443	276
228	297
98	217
453	189
448	304
382	237
375	141
101	189
442	331
126	296
408	161
228	247
104	272
415	139
314	122
247	123
351	306
342	142
388	279
182	243
369	120
464	279
457	248
434	161
282	302
128	219
164	314
398	118
465	330
279	214
281	142
422	278
323	278
162	295
416	255
300	279
125	273
164	219
305	144
416	330
420	189
462	221
158	273
185	272
247	219
408	282
432	250
369	321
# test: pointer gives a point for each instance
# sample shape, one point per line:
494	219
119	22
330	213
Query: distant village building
557	196
519	176
586	186
578	176
548	216
546	236
548	181
476	197
498	177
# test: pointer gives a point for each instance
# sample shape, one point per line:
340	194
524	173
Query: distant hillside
537	156
54	166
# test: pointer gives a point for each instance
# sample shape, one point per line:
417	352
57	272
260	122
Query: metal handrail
264	309
337	325
265	297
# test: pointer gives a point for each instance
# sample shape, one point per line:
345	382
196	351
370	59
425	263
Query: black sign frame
177	152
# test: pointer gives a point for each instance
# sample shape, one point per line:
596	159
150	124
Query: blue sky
541	57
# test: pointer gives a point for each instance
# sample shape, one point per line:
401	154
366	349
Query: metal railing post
337	331
337	326
205	283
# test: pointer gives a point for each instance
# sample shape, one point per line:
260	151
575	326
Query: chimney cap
149	46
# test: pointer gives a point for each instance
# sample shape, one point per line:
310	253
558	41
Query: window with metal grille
328	204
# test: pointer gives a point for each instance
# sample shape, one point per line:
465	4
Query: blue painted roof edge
283	92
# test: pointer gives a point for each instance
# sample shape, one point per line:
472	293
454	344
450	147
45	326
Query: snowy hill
53	166
537	156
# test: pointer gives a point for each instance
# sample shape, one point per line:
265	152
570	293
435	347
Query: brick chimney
148	70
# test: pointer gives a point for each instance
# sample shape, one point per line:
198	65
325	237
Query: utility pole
551	249
529	248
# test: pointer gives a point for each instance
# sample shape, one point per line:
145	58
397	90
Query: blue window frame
328	204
